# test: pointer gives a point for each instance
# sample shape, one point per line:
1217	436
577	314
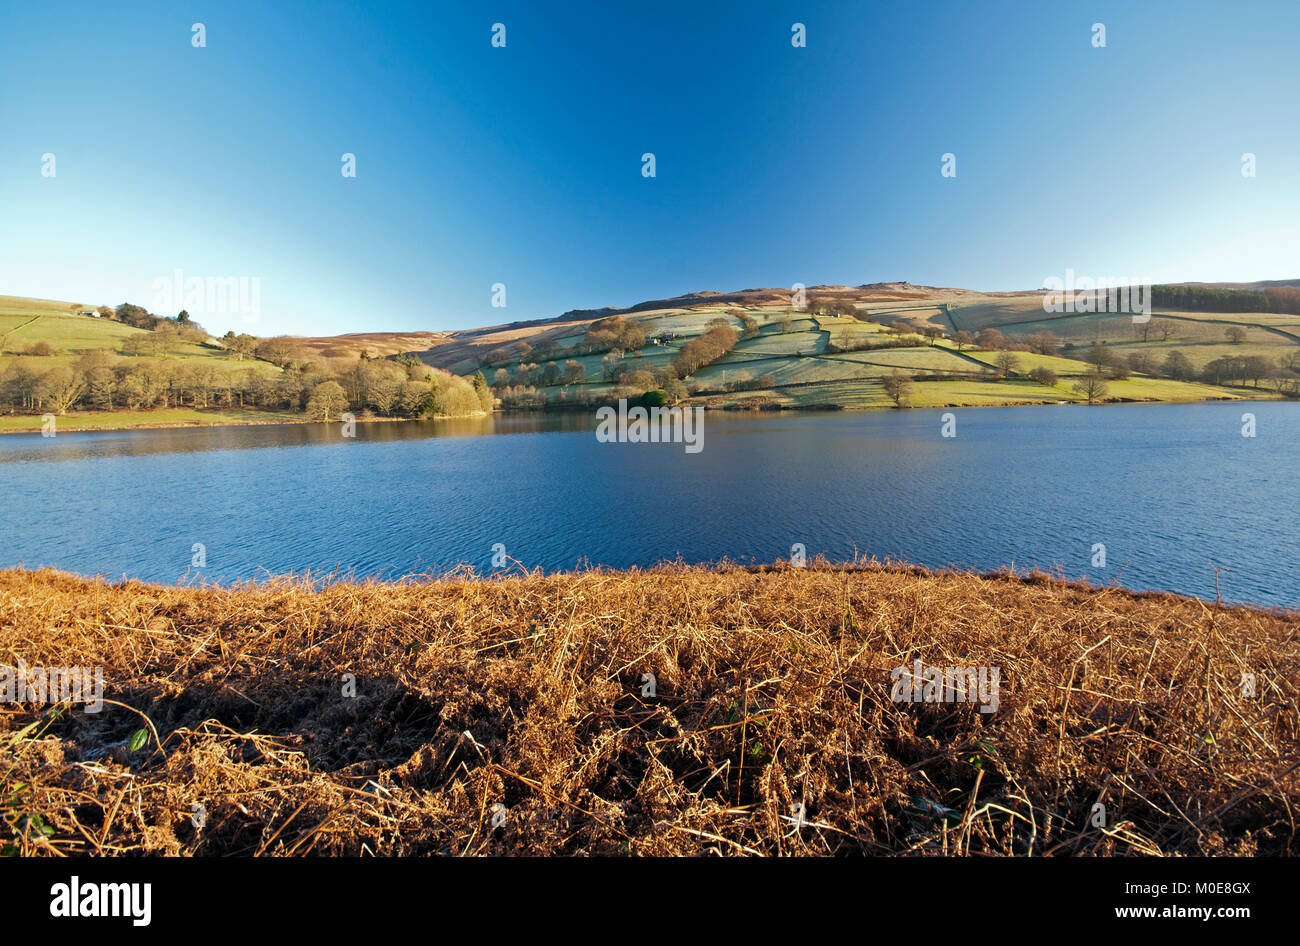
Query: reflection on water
135	443
1171	491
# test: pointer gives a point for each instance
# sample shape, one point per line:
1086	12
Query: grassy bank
511	716
848	396
184	417
170	417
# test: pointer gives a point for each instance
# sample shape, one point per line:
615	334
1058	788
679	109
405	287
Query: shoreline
466	573
726	409
198	425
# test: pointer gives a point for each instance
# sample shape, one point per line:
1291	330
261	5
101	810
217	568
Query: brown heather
772	689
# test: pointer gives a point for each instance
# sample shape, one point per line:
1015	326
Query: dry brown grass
525	692
372	344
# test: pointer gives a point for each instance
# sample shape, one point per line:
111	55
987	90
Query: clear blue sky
522	165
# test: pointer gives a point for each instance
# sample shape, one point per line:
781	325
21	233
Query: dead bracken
669	711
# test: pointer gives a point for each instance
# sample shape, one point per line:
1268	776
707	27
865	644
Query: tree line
103	380
1212	299
147	375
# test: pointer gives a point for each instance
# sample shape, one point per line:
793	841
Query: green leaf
138	739
36	822
22	733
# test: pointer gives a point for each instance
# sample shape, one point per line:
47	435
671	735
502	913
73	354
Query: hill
69	333
837	349
518	715
91	367
58	356
372	344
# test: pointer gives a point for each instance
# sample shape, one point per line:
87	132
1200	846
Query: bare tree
1044	343
1092	387
1044	376
898	386
1142	362
61	387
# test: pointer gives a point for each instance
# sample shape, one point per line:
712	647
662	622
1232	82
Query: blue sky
522	165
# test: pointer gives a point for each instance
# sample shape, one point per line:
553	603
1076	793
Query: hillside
870	346
516	716
24	322
92	367
28	322
55	359
372	344
837	351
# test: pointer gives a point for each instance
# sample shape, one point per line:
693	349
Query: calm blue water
1170	490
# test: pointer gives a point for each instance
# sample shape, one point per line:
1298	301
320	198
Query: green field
25	323
72	336
983	394
171	417
930	358
796	365
1201	353
1164	389
64	333
1029	361
683	322
791	370
846	395
851	331
800	372
775	343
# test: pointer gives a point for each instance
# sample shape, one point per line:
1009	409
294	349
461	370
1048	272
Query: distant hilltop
865	294
759	298
880	345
